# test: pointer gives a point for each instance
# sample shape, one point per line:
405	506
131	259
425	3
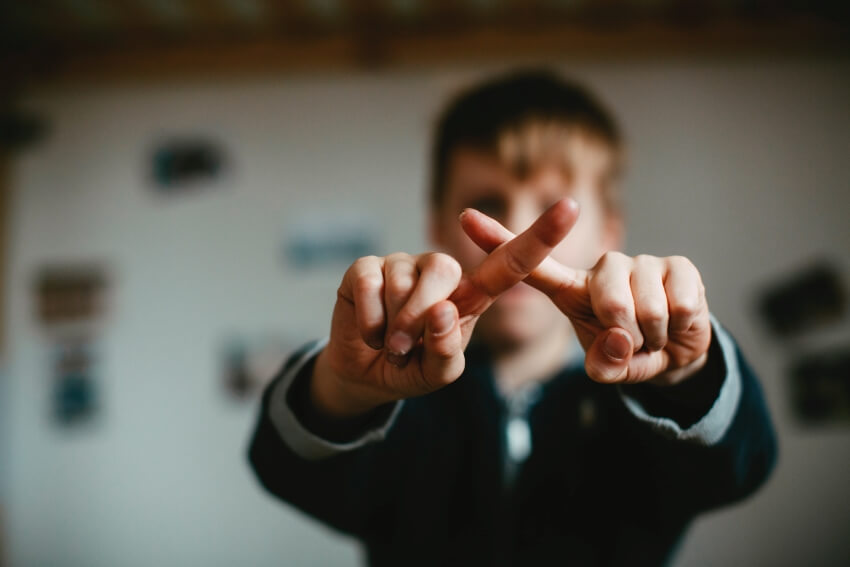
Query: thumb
608	358
442	353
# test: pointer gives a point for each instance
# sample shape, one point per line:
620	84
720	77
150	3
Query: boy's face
479	180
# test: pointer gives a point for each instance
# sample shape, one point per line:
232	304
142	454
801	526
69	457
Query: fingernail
462	214
400	343
616	346
443	323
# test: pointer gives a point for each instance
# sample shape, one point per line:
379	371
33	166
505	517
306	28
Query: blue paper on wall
331	239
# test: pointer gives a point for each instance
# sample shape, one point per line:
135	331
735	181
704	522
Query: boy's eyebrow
493	191
484	190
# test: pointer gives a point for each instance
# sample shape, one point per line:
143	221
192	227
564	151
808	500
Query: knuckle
615	308
653	311
365	260
614	256
681	263
399	284
367	284
363	264
685	306
443	265
610	258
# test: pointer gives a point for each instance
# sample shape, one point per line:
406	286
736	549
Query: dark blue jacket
604	490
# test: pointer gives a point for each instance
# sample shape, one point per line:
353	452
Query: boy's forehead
577	156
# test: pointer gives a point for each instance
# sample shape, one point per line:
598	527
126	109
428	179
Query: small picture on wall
186	164
812	297
75	396
70	294
820	387
249	364
331	239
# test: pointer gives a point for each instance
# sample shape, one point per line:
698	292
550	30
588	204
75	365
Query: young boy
517	400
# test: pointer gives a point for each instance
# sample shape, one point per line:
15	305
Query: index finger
513	261
550	276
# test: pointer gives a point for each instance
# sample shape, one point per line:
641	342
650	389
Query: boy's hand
401	322
638	319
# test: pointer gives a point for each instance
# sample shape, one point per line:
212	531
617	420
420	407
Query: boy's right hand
402	322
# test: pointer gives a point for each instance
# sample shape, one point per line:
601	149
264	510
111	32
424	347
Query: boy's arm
332	474
665	472
306	430
704	443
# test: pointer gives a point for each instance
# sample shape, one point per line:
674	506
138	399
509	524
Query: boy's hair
525	118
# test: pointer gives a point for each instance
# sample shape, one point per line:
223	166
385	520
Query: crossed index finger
512	261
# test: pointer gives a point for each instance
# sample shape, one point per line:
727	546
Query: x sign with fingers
401	322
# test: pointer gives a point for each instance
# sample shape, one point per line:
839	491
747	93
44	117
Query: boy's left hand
639	319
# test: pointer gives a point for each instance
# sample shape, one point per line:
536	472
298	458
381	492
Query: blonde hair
526	118
532	144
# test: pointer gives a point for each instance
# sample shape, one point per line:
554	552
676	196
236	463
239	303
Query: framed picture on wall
74	397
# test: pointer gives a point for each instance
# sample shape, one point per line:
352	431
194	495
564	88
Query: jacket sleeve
720	458
701	410
306	432
346	482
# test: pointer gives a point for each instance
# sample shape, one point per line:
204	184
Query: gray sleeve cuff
303	442
711	428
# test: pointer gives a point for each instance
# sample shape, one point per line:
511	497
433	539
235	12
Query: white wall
4	460
738	165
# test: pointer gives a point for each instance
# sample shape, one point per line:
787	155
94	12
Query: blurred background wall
736	161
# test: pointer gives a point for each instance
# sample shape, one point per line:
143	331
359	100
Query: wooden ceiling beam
343	50
207	17
55	20
137	19
291	18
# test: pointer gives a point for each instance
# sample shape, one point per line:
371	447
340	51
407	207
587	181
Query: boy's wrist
689	400
680	375
332	396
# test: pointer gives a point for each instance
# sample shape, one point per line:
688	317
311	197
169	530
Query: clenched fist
401	322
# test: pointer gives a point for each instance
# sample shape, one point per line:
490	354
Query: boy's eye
490	206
